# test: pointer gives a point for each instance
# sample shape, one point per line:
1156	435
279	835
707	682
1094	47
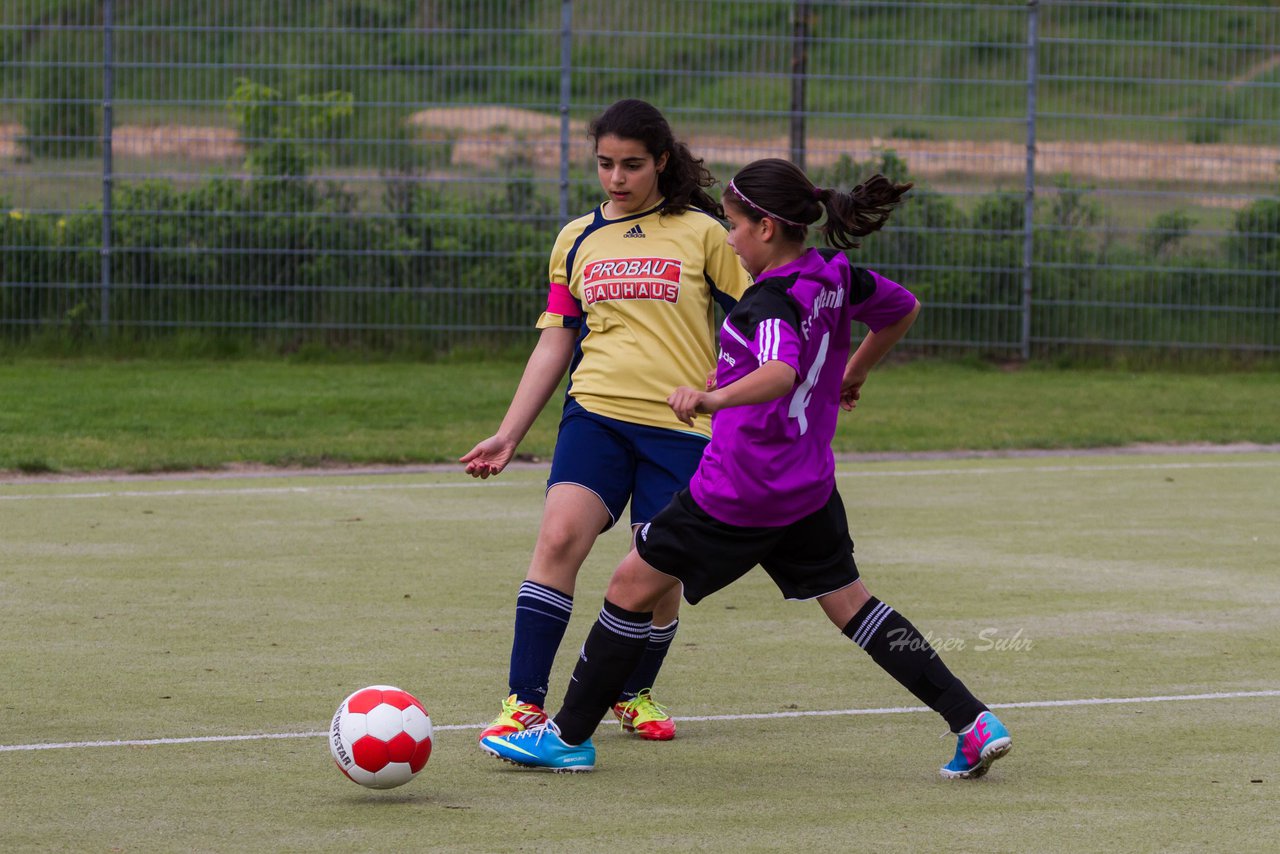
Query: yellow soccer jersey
640	289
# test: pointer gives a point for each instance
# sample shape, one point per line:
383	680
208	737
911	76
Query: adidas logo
635	231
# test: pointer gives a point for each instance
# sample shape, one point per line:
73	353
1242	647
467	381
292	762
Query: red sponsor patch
664	291
632	278
633	270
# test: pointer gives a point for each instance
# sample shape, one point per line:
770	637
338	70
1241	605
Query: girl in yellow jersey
631	315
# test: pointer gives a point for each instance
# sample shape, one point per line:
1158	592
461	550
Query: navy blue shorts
622	462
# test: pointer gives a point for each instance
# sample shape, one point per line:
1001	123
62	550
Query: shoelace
535	732
641	700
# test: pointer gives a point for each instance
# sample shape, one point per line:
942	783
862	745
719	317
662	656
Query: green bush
65	121
284	249
282	258
1167	230
48	269
1256	243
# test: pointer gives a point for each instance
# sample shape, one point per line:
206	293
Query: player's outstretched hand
489	457
684	402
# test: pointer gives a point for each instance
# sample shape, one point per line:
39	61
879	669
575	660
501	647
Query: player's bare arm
771	380
872	349
542	374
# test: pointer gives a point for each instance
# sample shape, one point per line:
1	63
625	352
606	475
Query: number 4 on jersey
804	392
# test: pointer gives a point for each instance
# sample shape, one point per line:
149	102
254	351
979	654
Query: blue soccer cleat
541	747
985	741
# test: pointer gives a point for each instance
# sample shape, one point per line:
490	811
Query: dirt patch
1266	66
190	141
9	140
509	120
197	143
1106	160
485	138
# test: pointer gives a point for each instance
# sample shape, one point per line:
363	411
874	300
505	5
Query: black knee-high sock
613	647
655	652
896	646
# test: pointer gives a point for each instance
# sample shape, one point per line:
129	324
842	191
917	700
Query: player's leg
614	645
663	559
587	490
682	549
635	707
901	651
572	517
665	461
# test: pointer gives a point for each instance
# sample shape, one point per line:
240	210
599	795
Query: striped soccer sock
613	648
542	615
655	652
903	653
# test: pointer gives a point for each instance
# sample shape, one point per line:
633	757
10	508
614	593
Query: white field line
896	710
263	490
372	487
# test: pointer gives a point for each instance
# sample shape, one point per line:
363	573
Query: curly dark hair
684	181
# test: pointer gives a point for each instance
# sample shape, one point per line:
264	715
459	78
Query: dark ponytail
780	190
861	211
684	179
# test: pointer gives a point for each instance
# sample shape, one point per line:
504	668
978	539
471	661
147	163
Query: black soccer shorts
806	559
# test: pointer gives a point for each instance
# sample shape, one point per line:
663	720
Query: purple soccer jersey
770	464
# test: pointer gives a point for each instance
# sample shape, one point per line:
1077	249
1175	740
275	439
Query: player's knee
637	586
563	546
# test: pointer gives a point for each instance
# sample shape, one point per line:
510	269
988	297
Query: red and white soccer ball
380	737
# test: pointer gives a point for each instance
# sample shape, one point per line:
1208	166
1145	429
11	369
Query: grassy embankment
58	416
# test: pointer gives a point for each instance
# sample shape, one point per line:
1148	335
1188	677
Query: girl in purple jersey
765	491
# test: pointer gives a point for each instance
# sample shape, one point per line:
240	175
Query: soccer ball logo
380	737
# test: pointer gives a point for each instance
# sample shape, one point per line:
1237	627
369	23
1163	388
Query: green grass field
154	415
235	609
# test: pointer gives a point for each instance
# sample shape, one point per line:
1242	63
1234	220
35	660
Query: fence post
566	93
799	60
1028	203
108	95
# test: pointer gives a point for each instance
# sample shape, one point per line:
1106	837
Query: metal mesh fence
1090	175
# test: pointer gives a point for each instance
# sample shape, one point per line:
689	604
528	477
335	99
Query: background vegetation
985	47
430	266
342	225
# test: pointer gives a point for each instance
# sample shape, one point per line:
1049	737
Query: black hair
684	179
780	190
